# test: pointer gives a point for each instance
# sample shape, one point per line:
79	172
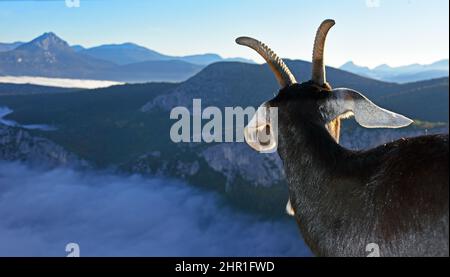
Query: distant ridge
50	56
401	74
127	53
240	84
9	46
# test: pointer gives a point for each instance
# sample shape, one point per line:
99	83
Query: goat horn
282	73
318	68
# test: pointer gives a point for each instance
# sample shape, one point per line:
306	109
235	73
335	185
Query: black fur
395	195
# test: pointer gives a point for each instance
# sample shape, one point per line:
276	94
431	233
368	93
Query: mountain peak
47	42
119	46
48	35
130	44
383	67
349	63
351	66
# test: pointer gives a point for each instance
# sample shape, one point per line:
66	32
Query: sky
368	32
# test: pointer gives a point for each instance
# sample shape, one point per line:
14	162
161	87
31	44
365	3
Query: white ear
344	102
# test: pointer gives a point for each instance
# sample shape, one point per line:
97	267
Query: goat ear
345	102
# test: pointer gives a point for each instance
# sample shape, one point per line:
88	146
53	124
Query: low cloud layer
107	215
58	82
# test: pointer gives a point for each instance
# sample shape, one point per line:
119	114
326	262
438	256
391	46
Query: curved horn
318	67
279	68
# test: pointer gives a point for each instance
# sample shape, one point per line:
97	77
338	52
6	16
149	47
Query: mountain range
128	53
50	56
9	46
402	74
240	84
126	127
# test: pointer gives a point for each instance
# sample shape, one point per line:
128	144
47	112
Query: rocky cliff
17	144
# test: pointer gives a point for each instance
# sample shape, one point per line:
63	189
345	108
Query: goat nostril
267	129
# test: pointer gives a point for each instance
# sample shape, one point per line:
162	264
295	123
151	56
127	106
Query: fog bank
108	215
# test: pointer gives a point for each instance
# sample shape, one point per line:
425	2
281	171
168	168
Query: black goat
395	195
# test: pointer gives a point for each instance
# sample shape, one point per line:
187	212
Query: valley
127	128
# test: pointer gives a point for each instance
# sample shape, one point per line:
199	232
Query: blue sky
395	32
